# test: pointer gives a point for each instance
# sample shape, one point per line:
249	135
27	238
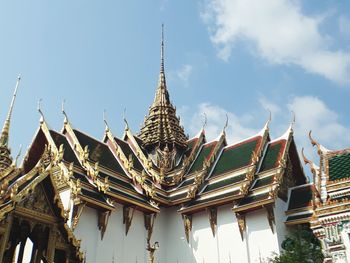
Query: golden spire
162	51
162	95
6	128
5	154
162	127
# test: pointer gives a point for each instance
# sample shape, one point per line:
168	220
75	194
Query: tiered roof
324	204
204	174
329	195
18	184
162	126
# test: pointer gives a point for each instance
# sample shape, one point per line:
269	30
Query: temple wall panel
87	231
227	245
280	217
262	242
204	245
169	231
231	246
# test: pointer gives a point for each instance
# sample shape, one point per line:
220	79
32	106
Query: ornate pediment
37	202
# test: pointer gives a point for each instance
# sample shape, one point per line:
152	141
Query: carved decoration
241	224
77	211
128	214
212	212
37	202
287	180
198	180
270	217
188	225
166	158
250	174
103	218
149	223
192	192
152	249
243	190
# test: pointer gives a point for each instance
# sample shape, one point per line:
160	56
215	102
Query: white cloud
313	114
238	127
184	73
280	33
268	105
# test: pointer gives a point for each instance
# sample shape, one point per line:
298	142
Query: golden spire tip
6	128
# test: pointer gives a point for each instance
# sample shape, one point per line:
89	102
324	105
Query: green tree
301	246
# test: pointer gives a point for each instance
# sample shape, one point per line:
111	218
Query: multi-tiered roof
31	194
161	167
324	204
162	127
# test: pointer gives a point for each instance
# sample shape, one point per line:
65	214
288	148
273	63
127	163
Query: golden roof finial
105	121
42	118
64	112
269	119
125	120
162	51
205	120
292	123
18	154
6	128
226	123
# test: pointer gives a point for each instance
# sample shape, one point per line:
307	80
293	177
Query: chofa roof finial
204	121
42	118
105	121
64	112
226	123
124	119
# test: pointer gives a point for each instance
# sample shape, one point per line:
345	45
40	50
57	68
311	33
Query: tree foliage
301	246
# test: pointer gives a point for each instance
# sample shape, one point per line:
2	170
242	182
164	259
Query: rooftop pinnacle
162	126
5	158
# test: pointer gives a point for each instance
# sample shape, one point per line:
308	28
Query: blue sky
239	57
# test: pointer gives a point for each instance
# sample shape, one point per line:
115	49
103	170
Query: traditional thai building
325	204
33	221
152	196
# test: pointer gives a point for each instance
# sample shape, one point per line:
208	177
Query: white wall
261	241
226	247
87	231
204	245
280	217
231	246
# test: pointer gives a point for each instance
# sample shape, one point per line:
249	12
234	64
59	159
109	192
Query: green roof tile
271	156
92	194
187	182
339	167
253	198
226	195
225	182
99	152
300	197
68	154
204	154
117	181
127	151
263	182
235	157
303	216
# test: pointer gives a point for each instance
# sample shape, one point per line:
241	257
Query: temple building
160	196
325	204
